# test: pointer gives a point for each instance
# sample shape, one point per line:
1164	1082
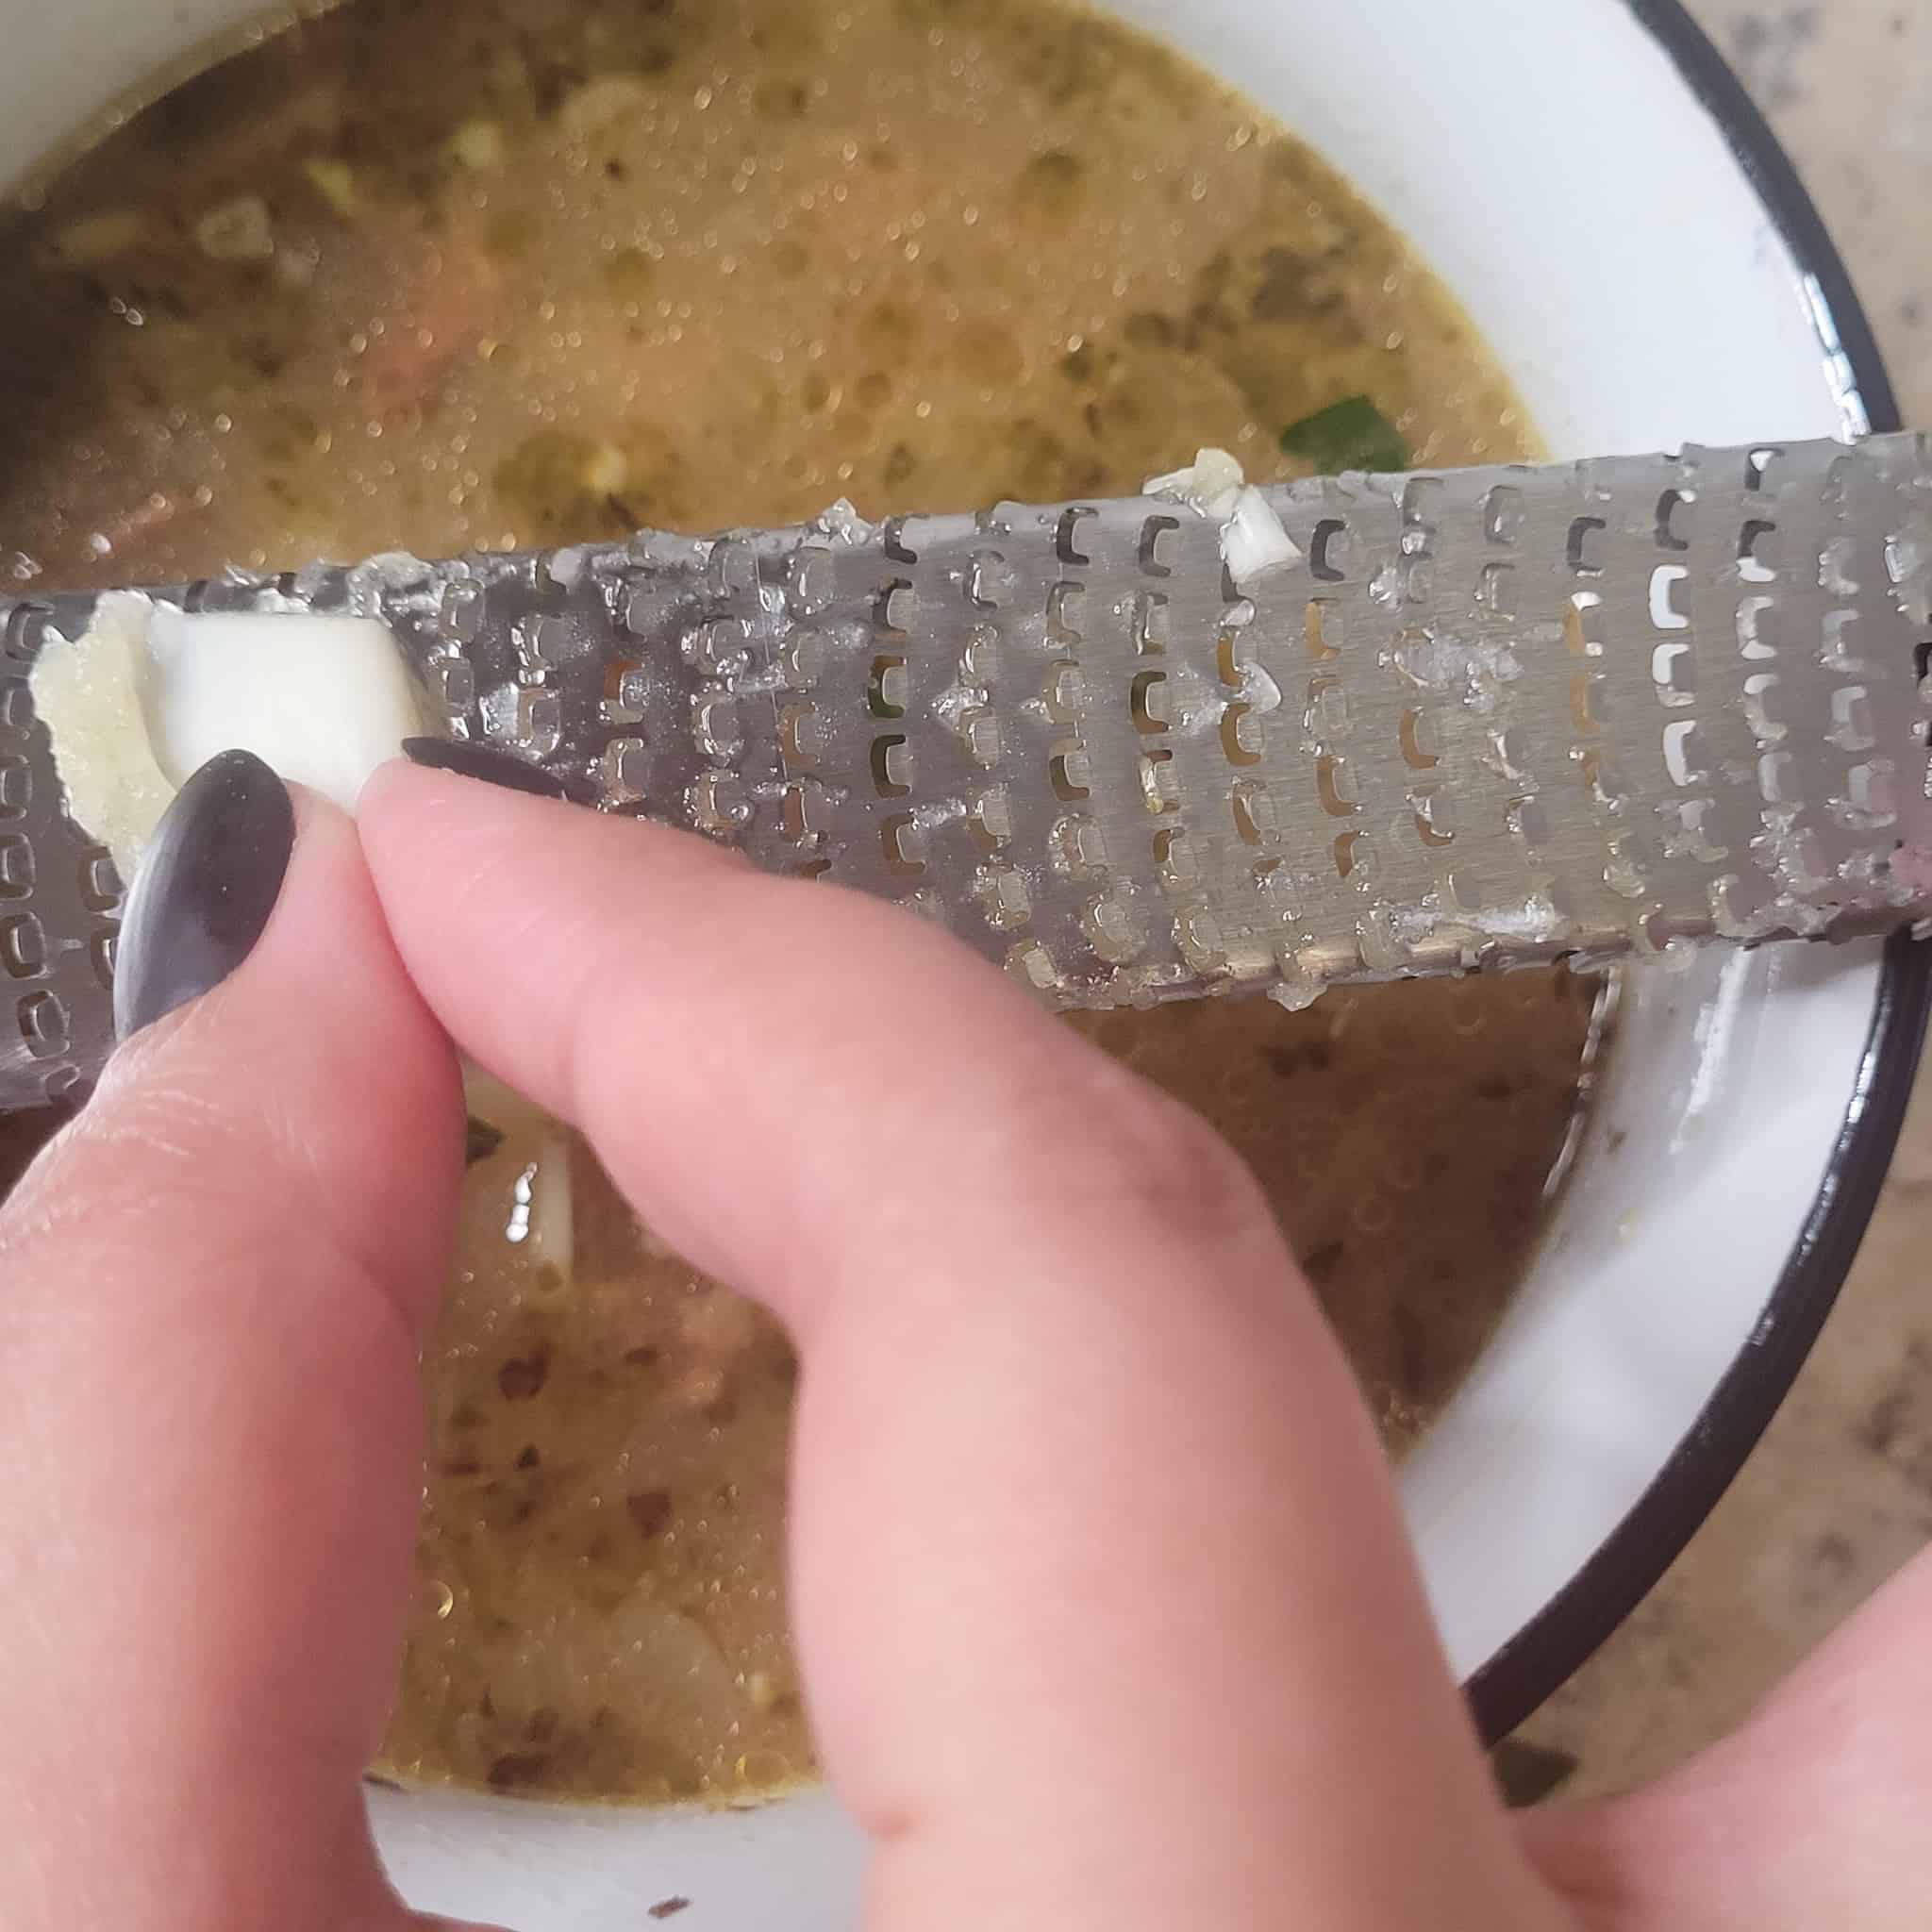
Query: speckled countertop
1839	1493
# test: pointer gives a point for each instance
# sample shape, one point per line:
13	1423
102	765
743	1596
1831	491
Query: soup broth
440	275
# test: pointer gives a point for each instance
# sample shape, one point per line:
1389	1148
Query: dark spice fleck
1318	1264
649	1509
529	1458
522	1377
518	1768
669	1907
481	1141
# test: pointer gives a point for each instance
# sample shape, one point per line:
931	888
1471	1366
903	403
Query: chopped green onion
1352	434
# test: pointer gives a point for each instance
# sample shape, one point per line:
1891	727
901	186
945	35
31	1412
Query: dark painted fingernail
488	762
207	885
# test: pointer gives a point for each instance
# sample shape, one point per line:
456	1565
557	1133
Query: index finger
1103	1604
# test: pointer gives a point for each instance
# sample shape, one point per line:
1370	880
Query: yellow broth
439	276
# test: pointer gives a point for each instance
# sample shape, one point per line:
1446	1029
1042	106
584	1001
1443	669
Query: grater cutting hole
1067	768
1600	777
1234	742
989	579
1583	625
1150	623
1329	788
1674	671
1147	721
1254	811
16	705
22	948
16	787
1065	603
16	866
1004	898
1328	551
1922	661
892	536
791	814
26	624
903	846
1529	825
805	654
1413	756
622	701
715	726
1753	544
1664	615
1422	498
100	882
1841	635
103	950
1159	785
1079	846
1757	690
1753	624
891	766
1323	629
1180	873
1777	778
1758	466
1503	514
1582	558
43	1025
1347	854
1151	531
800	735
1425	827
893	608
1667	505
1226	649
1679	755
1851	718
1872	797
1110	931
885	695
1030	961
1066	544
1064	693
811	578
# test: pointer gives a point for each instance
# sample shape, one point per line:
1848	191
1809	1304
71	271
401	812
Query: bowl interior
1553	165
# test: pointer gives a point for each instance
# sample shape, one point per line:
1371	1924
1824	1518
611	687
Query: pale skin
1166	1619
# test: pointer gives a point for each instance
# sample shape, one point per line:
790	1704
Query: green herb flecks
1352	434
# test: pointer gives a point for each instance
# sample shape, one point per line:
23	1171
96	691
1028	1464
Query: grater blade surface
1484	717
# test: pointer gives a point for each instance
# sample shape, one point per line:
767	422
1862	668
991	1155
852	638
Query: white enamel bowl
1592	184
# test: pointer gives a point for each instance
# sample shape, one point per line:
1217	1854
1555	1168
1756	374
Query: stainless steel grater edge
1481	717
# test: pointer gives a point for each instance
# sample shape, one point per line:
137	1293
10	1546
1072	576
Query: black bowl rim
1547	1651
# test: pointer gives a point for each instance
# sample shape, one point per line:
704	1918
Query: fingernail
205	888
469	760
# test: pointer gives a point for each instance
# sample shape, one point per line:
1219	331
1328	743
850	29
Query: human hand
1160	1660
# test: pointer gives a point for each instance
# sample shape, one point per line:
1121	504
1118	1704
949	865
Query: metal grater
1487	717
